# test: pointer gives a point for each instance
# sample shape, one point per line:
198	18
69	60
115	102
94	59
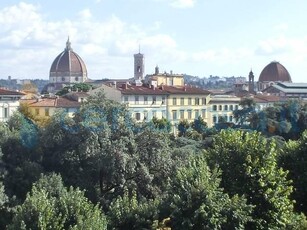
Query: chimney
124	86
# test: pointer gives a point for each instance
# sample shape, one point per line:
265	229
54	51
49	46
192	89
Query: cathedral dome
68	67
275	72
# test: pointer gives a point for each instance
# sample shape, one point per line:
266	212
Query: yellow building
186	103
43	108
168	79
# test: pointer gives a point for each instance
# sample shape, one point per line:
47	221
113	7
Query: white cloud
179	3
273	46
31	42
85	14
183	3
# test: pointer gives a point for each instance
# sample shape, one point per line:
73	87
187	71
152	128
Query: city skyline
195	37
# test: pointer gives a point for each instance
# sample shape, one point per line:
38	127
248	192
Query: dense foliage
101	170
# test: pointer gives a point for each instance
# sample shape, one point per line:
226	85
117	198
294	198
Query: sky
195	37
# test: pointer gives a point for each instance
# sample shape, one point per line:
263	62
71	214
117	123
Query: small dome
274	72
68	67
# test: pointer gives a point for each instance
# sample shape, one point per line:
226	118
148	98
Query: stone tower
138	66
251	83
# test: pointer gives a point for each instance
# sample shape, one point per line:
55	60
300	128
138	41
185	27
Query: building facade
221	108
9	103
144	102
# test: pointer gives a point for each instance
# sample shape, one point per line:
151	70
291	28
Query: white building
9	103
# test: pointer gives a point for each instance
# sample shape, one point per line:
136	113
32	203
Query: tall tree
294	159
242	114
50	205
249	167
197	202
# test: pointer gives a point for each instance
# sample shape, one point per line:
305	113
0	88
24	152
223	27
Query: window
181	114
174	101
6	112
231	107
214	107
126	98
76	79
203	101
145	115
47	112
237	107
37	112
154	113
196	101
189	114
225	107
230	118
138	116
203	113
154	100
163	100
196	113
214	119
145	100
182	101
174	112
220	107
63	78
189	101
136	100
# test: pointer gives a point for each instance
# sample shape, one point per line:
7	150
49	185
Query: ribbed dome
274	72
68	64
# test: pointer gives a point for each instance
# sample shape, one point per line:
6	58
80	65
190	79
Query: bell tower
138	66
251	83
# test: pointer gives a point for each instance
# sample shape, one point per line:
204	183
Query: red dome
275	72
68	63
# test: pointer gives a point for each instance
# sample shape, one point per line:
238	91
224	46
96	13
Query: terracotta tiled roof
60	102
10	92
274	72
266	98
141	90
164	90
185	90
68	62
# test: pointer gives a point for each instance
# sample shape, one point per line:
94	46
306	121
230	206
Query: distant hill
16	84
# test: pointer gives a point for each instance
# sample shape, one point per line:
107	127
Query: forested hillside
101	170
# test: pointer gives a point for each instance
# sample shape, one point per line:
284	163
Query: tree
3	197
183	127
21	156
197	202
161	124
287	119
249	167
247	109
50	205
127	212
199	125
78	87
294	159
